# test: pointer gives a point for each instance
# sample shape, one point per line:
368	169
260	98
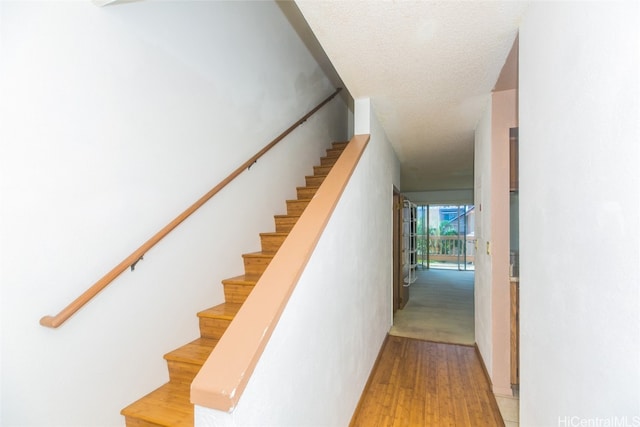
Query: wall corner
362	116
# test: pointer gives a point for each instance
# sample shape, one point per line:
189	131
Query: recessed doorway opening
441	303
445	237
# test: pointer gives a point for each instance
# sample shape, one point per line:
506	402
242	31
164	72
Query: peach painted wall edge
504	116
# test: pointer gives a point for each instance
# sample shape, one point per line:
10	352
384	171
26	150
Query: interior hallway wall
483	272
580	214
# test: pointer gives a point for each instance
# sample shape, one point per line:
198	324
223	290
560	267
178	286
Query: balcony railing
450	249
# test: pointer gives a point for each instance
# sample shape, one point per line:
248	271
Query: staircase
170	404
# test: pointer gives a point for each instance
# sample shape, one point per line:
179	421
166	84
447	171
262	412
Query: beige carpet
440	308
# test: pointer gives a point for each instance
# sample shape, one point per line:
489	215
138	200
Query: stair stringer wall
319	357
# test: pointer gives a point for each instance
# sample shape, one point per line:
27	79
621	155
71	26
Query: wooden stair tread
285	223
168	405
285	216
315	179
271	242
237	289
334	152
195	352
225	311
258	255
255	263
307	192
275	234
322	169
319	175
328	161
297	206
242	280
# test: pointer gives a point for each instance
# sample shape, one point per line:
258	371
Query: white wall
362	116
483	272
579	214
320	355
114	120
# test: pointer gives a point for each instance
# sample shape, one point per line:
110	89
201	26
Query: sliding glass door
446	236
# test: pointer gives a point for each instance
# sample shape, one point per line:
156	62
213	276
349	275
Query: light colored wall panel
579	214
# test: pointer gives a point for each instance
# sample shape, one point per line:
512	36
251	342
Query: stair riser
334	152
255	266
296	207
271	244
182	372
213	328
284	225
328	161
314	181
135	422
321	170
236	293
306	192
340	145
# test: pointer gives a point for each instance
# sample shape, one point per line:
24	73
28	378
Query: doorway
446	237
400	291
441	307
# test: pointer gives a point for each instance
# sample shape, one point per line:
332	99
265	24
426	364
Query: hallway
440	308
421	383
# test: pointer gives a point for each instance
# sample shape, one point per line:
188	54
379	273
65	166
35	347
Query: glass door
445	236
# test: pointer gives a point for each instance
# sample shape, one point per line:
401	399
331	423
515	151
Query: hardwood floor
422	383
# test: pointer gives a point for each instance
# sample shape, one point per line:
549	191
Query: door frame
397	244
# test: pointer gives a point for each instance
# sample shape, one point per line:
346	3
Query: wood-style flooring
422	383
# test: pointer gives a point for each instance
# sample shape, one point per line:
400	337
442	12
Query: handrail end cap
48	321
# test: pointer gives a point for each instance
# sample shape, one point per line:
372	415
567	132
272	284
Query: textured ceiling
428	67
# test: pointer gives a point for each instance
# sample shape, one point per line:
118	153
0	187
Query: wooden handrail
75	305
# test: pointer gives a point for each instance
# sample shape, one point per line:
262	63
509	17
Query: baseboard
486	374
506	392
484	367
368	383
